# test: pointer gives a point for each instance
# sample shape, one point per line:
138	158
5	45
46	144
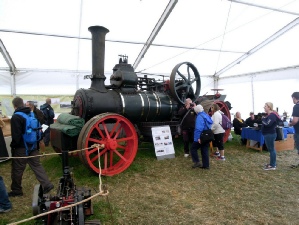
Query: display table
255	139
6	129
6	151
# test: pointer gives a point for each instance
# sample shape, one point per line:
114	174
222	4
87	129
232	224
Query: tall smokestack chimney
98	58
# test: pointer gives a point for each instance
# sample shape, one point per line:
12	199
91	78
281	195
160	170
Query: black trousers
204	149
47	136
18	166
218	142
187	139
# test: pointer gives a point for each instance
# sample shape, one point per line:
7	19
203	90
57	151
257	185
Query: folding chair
238	138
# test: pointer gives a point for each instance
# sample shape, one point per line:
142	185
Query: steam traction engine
116	115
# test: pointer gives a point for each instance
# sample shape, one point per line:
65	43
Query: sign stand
163	142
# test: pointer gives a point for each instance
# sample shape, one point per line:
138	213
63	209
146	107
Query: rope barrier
56	153
100	170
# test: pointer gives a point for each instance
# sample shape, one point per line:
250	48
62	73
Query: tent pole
273	37
155	31
13	84
265	7
252	93
78	46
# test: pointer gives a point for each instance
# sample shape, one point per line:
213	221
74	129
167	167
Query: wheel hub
111	144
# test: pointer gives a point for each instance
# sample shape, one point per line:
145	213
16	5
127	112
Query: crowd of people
19	149
195	121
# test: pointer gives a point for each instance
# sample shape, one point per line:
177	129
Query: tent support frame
155	31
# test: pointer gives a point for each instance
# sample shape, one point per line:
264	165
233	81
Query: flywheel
185	82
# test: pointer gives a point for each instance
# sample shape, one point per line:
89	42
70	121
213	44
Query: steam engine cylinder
123	97
142	106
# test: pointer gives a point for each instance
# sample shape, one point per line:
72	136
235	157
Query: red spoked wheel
223	107
119	137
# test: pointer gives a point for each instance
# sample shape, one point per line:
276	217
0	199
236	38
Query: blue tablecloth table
251	133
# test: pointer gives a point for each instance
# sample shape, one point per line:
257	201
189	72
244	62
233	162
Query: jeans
204	148
296	139
269	141
4	200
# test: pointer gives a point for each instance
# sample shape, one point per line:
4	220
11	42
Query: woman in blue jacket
203	122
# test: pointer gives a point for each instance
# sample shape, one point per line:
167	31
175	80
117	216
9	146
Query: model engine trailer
117	115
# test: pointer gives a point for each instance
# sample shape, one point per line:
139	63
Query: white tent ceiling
211	34
214	25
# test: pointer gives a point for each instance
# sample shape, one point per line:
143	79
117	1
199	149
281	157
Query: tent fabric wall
251	91
247	92
5	83
44	82
60	103
51	82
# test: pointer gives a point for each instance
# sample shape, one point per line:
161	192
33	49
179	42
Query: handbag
206	135
279	133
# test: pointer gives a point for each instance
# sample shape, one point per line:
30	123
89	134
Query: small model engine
67	194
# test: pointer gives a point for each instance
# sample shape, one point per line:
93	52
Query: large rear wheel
223	107
119	137
207	104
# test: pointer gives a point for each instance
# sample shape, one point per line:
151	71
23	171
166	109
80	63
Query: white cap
198	108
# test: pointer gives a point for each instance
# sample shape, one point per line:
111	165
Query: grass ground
237	191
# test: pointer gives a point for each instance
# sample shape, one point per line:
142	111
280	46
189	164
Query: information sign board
163	143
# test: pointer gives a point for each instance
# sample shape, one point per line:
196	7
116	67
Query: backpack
45	112
32	131
226	123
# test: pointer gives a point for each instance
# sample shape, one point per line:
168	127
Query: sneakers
186	155
4	210
216	154
268	167
196	165
221	158
48	189
294	166
204	168
14	194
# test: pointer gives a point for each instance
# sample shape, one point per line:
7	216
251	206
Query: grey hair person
198	109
